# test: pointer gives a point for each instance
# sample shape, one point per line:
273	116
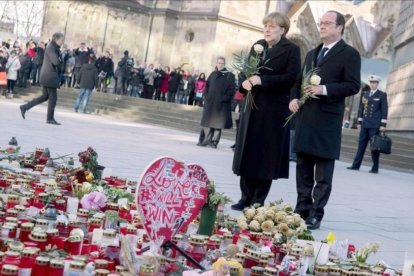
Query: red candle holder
74	245
41	266
56	268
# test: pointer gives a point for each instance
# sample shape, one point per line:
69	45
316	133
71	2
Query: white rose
315	80
258	48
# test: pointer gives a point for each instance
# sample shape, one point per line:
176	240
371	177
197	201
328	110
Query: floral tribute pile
59	217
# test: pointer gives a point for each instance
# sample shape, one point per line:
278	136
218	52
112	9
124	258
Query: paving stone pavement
362	208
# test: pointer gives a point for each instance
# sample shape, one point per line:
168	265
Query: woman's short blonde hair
280	19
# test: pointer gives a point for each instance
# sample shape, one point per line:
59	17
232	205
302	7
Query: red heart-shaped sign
170	195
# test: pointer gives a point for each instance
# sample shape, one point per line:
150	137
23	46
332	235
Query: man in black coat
122	73
319	121
220	89
49	79
105	67
174	82
81	57
372	118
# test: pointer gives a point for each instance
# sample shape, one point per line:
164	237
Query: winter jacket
12	66
49	74
88	76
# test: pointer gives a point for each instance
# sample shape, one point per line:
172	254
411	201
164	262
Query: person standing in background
164	83
81	57
200	88
159	78
220	89
12	68
175	79
372	119
37	62
49	79
88	80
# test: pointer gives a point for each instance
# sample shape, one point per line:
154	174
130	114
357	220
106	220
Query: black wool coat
319	122
49	74
262	143
220	90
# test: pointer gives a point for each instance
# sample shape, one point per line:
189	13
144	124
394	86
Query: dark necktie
371	93
321	55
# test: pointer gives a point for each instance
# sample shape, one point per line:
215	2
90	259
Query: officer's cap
374	78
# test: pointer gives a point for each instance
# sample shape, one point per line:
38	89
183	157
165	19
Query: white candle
72	205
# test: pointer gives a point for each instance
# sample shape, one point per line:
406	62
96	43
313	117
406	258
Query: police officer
372	118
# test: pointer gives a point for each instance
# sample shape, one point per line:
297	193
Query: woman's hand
256	80
247	85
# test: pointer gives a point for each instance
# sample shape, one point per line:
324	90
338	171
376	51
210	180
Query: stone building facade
193	33
400	85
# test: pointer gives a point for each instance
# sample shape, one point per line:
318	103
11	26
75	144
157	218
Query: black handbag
381	143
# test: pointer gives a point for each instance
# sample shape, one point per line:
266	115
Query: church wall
400	80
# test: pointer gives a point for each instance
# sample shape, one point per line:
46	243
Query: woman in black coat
262	143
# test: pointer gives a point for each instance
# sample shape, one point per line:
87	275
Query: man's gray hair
57	36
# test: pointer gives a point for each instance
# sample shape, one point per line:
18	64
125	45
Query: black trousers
48	94
254	190
148	91
10	85
209	135
314	184
171	96
364	136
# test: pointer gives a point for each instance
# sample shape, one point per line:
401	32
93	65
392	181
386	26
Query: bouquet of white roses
310	77
249	64
363	253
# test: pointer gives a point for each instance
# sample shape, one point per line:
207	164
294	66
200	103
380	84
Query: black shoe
373	171
353	168
23	111
313	224
238	207
233	147
53	122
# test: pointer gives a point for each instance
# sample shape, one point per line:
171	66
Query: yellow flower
250	213
330	238
89	177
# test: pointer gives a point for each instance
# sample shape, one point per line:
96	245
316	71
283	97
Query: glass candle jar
74	245
41	266
108	237
321	270
39	238
270	271
61	227
21	211
72	205
119	269
213	243
252	259
52	234
27	262
101	272
101	264
9	270
197	250
56	267
94	223
72	225
8	230
60	205
76	268
12	200
83	215
11	258
256	271
42	223
147	270
12	213
131	230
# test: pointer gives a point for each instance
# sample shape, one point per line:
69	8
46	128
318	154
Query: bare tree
26	15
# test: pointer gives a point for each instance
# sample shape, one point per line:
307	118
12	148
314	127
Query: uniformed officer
372	118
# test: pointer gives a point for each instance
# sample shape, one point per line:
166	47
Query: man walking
319	121
220	90
372	118
49	79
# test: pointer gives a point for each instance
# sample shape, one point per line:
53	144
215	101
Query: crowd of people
21	64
